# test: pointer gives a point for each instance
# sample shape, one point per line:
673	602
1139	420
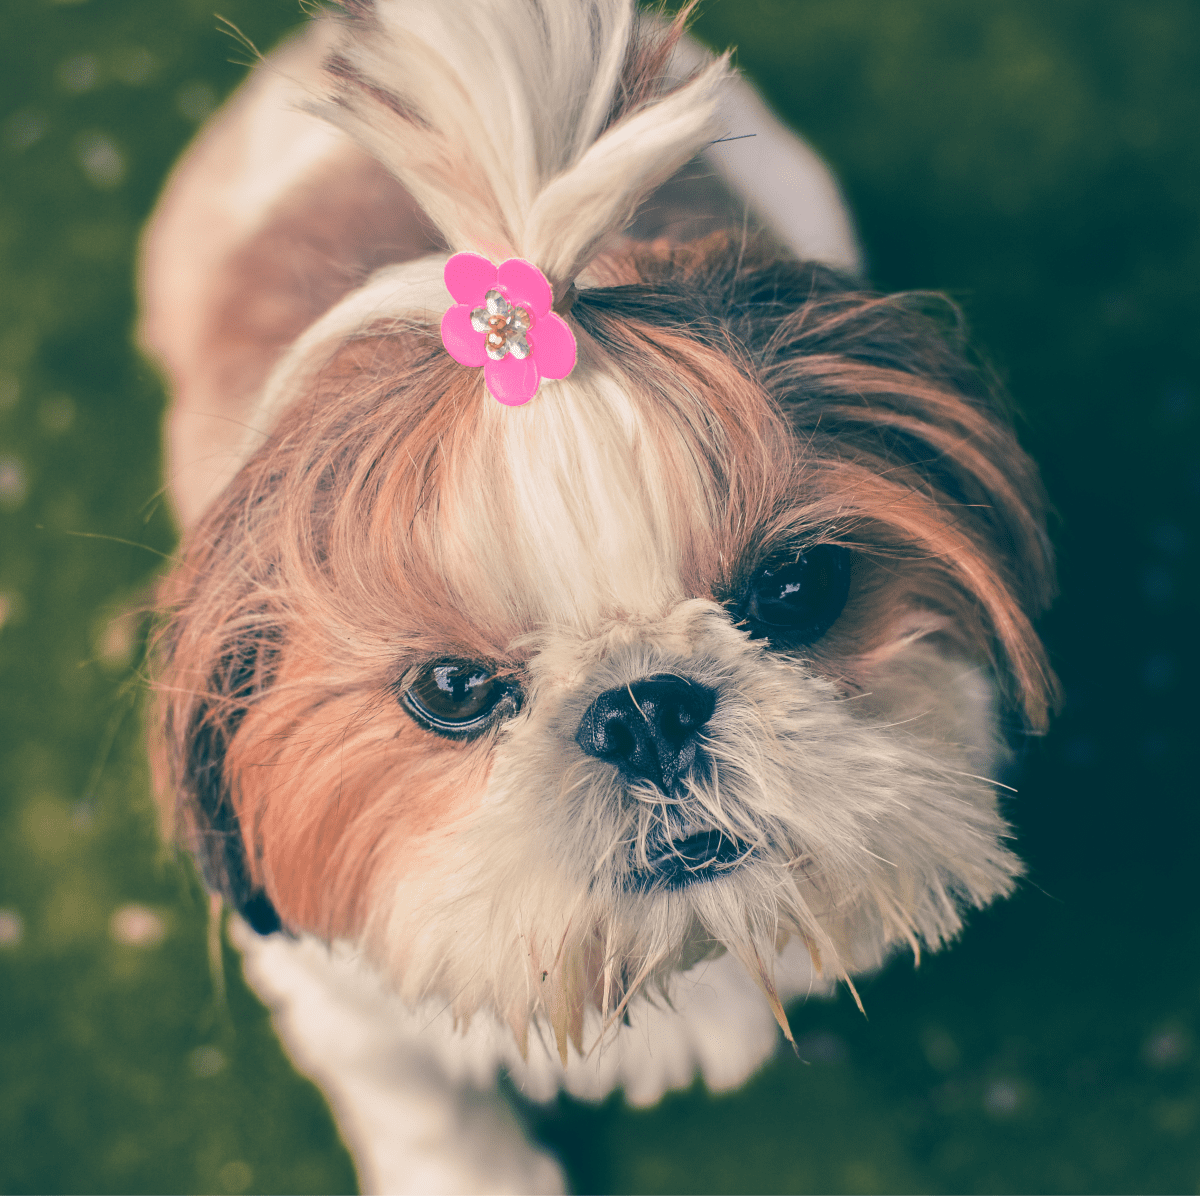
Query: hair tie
503	321
566	301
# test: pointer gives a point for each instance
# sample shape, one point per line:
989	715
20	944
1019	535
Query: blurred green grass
1038	160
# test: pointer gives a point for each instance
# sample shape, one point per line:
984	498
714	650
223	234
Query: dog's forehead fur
574	512
630	487
602	503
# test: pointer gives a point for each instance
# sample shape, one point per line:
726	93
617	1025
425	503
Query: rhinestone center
504	326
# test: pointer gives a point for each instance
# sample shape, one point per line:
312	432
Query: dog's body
507	890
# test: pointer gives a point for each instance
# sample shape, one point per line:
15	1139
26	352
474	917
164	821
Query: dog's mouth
680	853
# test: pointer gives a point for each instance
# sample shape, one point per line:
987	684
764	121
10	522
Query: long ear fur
205	803
523	128
909	436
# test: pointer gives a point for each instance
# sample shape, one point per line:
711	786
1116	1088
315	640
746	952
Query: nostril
687	717
617	738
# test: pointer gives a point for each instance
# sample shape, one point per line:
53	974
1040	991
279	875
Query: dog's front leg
415	1120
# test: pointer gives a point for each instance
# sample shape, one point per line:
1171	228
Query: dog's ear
204	796
270	217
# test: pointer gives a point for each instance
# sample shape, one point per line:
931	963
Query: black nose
649	728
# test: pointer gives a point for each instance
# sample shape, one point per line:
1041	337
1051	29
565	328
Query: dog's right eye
459	699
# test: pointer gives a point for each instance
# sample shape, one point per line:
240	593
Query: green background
1038	159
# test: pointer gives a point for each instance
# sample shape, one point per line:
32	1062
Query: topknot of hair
529	129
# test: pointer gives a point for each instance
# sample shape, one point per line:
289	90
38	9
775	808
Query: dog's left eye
459	699
795	600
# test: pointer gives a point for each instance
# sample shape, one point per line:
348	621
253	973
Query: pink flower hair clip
503	323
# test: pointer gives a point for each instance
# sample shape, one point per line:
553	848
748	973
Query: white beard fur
537	887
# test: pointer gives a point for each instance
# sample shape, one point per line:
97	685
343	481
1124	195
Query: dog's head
707	647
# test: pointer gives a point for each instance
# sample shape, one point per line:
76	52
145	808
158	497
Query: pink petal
553	346
512	381
468	276
462	343
525	285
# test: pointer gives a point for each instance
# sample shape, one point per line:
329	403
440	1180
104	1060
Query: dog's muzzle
650	730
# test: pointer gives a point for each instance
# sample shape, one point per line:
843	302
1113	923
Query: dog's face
706	648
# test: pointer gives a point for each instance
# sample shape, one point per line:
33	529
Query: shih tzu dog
599	613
